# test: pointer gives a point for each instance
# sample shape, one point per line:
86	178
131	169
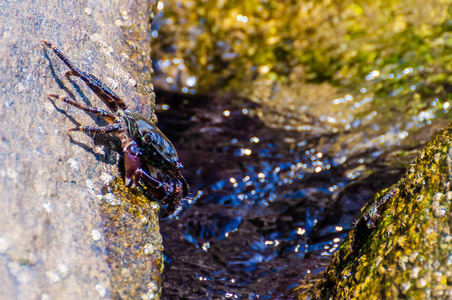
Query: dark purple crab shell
156	148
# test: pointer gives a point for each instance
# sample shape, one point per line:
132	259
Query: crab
150	159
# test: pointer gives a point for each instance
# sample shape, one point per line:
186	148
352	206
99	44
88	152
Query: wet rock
400	245
58	222
133	242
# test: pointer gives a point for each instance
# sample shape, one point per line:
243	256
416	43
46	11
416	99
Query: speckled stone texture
400	247
56	226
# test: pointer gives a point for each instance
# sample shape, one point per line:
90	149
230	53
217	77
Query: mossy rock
401	245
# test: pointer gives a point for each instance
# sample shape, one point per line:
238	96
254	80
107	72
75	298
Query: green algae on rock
228	44
133	242
373	73
401	245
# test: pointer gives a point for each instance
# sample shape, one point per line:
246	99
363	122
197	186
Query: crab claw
132	162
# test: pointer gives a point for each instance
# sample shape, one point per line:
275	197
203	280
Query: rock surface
64	234
401	245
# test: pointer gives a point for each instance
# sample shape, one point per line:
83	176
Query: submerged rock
401	245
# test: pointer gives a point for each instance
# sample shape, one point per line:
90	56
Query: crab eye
133	149
147	137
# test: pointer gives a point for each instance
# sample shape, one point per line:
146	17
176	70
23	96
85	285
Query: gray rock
59	235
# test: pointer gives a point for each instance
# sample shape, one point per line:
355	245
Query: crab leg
95	110
132	166
97	129
181	178
102	91
156	184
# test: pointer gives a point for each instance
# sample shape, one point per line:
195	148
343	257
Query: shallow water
267	208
